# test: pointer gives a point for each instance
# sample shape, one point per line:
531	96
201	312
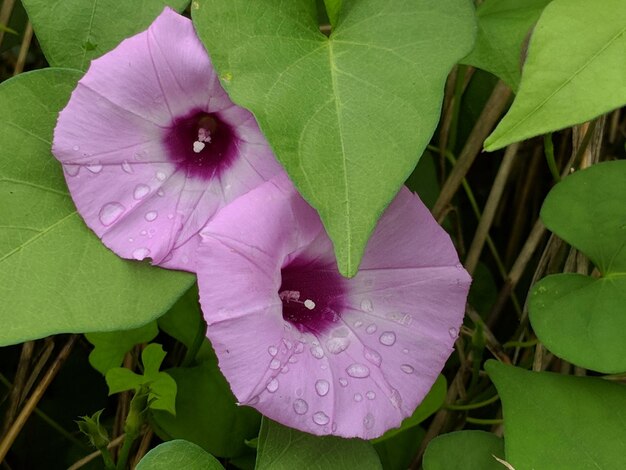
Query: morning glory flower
311	349
152	147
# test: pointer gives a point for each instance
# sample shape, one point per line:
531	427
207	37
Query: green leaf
162	387
398	452
348	116
206	412
561	422
464	450
332	10
503	26
424	180
73	32
283	448
178	454
431	403
581	318
574	71
110	348
55	275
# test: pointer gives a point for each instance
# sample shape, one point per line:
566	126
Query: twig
21	58
30	405
487	119
19	382
5	15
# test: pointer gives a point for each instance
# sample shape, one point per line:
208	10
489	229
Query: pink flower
311	349
152	147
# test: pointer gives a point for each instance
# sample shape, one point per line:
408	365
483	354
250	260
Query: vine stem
94	455
38	393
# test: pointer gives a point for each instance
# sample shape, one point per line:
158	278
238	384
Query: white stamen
204	135
198	146
289	296
308	303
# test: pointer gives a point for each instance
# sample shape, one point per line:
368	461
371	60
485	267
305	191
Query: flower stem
132	426
548	148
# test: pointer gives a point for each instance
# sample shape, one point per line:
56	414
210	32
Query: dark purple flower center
312	296
201	143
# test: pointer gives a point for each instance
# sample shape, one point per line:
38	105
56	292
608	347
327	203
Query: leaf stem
198	341
473	406
548	148
486	422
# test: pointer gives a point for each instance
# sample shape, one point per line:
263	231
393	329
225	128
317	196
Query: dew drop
358	324
141	191
371	328
299	347
317	352
459	266
274	364
387	338
161	176
292	359
405	351
141	253
300	406
370	395
272	350
161	193
343	382
143	233
372	356
285	369
358	397
321	418
299	392
321	387
407	369
337	345
288	344
334	427
150	216
71	170
272	385
453	332
95	168
110	213
358	371
402	318
395	398
368	421
367	306
76	148
126	167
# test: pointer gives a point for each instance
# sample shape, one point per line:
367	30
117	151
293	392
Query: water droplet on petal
71	170
126	167
343	382
368	421
141	191
141	253
358	324
288	344
285	369
372	356
272	385
358	397
76	148
321	387
110	213
367	306
337	345
150	216
342	332
273	350
299	347
387	338
293	359
274	364
358	371
405	351
395	398
161	176
161	193
370	395
402	318
407	369
459	266
317	352
321	418
300	406
95	168
334	427
453	332
371	328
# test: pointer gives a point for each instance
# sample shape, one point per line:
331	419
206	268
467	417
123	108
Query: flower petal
372	360
112	139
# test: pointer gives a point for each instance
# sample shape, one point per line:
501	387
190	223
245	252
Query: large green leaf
561	422
464	450
283	448
73	32
503	25
178	454
580	318
575	70
206	412
347	115
55	275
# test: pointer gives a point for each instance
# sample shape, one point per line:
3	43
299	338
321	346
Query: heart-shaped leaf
55	275
178	454
283	448
580	318
464	450
73	32
561	422
347	115
503	25
574	71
